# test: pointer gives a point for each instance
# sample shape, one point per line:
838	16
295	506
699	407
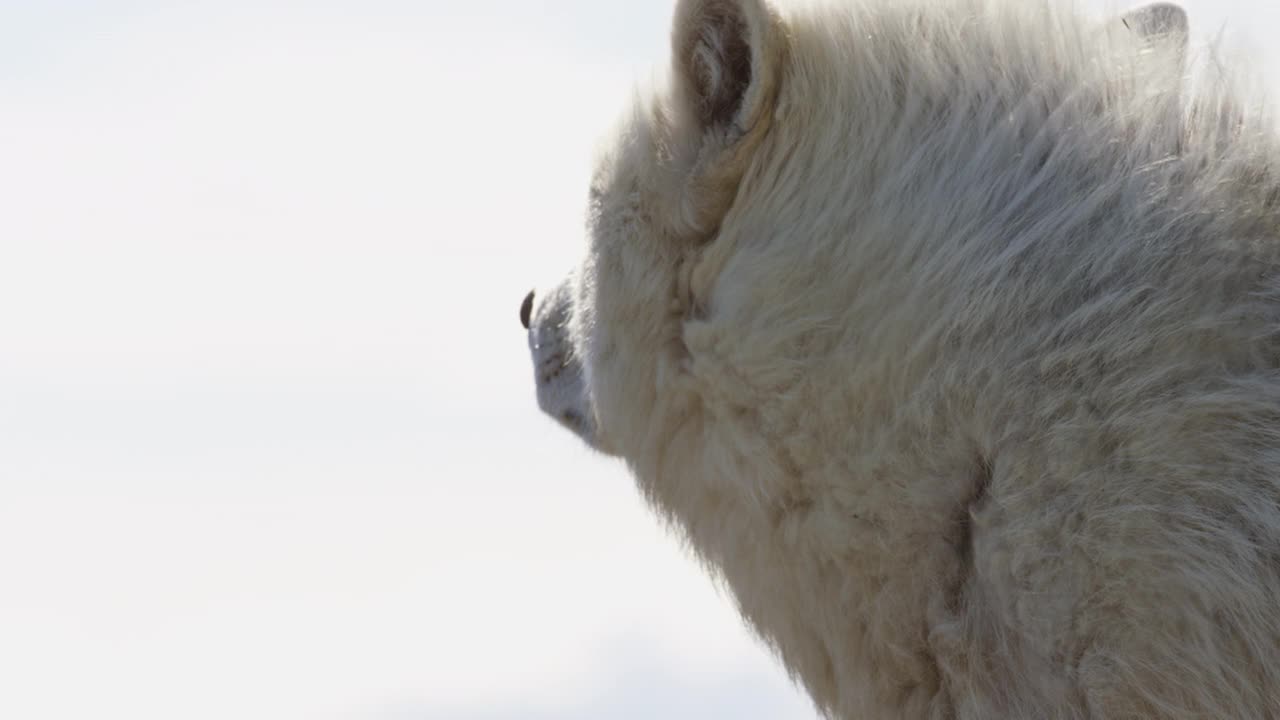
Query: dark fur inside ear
718	63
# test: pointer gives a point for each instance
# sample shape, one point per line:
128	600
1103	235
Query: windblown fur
948	333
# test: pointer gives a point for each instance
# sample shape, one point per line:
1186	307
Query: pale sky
268	442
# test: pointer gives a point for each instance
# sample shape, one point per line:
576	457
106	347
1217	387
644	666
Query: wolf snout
526	310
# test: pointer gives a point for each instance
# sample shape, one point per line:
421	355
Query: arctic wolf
949	335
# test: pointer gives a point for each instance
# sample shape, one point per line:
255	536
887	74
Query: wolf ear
1160	23
726	62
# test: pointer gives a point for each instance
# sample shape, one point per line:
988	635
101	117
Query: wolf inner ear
727	58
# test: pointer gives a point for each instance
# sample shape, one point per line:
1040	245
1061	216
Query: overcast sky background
268	443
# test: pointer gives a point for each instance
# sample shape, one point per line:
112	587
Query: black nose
526	309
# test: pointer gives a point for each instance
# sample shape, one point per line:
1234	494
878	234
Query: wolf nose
526	309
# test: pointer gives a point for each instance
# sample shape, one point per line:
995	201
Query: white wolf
949	334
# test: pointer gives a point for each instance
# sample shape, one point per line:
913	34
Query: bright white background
268	445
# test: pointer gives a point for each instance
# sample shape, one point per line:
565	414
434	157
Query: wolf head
630	347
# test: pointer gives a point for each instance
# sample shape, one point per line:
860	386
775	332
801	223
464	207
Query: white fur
562	390
950	339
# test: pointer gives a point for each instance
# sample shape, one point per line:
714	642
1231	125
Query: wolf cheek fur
947	333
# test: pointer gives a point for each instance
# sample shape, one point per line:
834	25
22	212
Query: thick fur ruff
948	334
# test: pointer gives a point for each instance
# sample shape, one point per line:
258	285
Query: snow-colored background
268	443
